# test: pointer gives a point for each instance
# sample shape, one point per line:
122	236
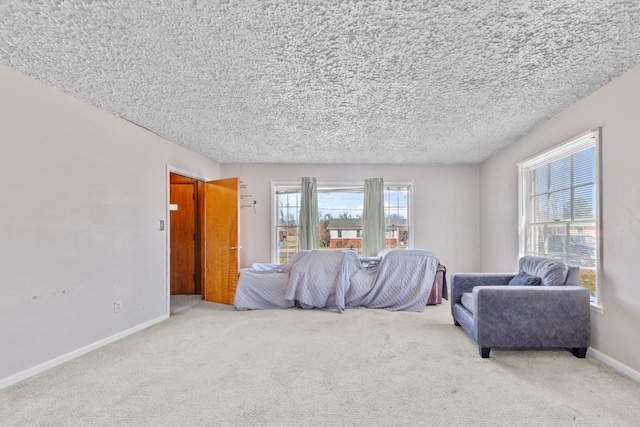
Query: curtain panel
373	217
309	223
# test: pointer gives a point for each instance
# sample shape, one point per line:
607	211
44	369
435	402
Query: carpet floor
211	365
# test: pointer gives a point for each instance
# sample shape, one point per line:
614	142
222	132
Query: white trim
521	209
560	149
20	376
410	216
187	174
590	138
620	367
599	303
272	221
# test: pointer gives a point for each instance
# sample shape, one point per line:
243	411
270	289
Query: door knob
234	248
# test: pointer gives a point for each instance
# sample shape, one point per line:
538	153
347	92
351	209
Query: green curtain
373	217
309	227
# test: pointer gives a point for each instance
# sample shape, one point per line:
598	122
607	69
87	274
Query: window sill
596	308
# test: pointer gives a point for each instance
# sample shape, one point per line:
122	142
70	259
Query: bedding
398	279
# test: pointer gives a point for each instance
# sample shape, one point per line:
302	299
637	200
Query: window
559	206
396	215
340	217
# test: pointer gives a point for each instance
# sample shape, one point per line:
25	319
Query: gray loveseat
552	312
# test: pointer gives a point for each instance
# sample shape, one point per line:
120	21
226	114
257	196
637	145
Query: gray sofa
497	314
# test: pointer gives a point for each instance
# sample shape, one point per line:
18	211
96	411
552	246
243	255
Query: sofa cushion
524	279
553	272
467	301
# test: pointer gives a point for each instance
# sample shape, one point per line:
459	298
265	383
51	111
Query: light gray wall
615	107
82	195
446	205
83	191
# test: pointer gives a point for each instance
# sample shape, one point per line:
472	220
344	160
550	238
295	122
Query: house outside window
340	217
559	206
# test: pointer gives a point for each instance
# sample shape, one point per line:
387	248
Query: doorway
204	238
185	252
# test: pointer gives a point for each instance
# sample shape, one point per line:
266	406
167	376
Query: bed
397	279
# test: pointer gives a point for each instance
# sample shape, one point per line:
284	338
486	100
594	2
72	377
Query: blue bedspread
402	280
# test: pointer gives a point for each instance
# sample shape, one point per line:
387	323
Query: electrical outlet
117	306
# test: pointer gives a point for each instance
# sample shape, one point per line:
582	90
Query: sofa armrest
461	283
535	316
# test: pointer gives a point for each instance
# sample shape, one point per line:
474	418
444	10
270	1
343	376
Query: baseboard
20	376
622	368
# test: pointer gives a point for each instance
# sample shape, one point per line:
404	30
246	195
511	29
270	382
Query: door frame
167	229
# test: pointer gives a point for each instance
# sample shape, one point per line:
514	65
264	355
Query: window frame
564	150
322	185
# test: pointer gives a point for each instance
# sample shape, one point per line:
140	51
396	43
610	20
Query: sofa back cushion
552	272
573	276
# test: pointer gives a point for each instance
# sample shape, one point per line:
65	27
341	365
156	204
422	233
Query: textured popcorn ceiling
326	81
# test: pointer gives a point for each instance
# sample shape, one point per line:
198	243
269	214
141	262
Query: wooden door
183	260
220	240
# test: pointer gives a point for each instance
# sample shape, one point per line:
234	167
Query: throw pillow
524	279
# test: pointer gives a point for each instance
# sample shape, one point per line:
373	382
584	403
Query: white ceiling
440	81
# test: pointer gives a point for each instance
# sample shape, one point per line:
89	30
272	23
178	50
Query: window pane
396	201
560	172
583	246
288	215
288	209
584	202
534	240
583	167
341	218
396	206
340	204
287	243
540	180
539	209
556	242
560	204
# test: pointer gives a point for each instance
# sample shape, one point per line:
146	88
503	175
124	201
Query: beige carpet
210	365
182	302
